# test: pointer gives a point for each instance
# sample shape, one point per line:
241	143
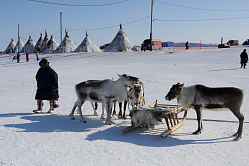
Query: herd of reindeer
129	89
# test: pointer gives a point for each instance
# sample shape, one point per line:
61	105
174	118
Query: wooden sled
170	115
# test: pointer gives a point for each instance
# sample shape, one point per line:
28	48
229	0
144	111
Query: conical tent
87	46
44	42
38	44
11	47
120	43
29	46
51	46
20	46
67	44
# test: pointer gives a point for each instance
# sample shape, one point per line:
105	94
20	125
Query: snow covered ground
54	139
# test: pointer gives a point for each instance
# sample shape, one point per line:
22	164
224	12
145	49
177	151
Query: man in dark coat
243	58
47	86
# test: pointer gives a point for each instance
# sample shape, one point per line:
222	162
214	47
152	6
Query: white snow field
28	139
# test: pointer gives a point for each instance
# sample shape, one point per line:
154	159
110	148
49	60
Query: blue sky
174	20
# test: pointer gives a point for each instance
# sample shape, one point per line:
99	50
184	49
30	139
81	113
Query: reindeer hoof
237	138
72	117
109	123
197	132
83	121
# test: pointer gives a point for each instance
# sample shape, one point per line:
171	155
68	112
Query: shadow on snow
46	123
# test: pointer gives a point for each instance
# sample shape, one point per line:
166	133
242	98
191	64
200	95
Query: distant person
18	57
15	54
10	51
37	54
243	59
186	44
47	86
27	57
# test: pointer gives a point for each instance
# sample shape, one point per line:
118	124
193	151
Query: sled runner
164	111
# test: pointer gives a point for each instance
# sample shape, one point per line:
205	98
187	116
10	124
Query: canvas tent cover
11	47
87	46
39	43
21	45
51	46
67	44
44	42
120	43
29	46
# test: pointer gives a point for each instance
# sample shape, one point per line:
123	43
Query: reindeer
200	96
135	97
104	91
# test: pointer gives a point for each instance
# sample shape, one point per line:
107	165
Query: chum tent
51	46
11	47
67	44
120	43
29	46
87	46
44	42
39	43
20	46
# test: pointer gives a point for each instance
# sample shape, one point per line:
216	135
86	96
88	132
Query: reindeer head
128	80
136	93
175	90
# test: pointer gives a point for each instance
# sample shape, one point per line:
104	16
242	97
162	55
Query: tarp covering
67	44
21	45
87	46
11	47
120	43
29	46
39	43
44	42
51	46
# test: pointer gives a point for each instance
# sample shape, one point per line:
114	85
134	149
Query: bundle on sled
153	114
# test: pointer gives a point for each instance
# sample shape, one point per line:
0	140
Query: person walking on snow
47	86
37	54
243	59
27	57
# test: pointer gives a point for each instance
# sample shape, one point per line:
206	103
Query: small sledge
146	116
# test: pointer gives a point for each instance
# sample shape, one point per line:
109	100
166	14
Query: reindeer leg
125	104
120	110
81	115
108	111
114	109
79	103
199	113
103	109
72	112
240	116
95	108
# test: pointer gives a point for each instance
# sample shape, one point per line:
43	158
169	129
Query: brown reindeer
200	96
